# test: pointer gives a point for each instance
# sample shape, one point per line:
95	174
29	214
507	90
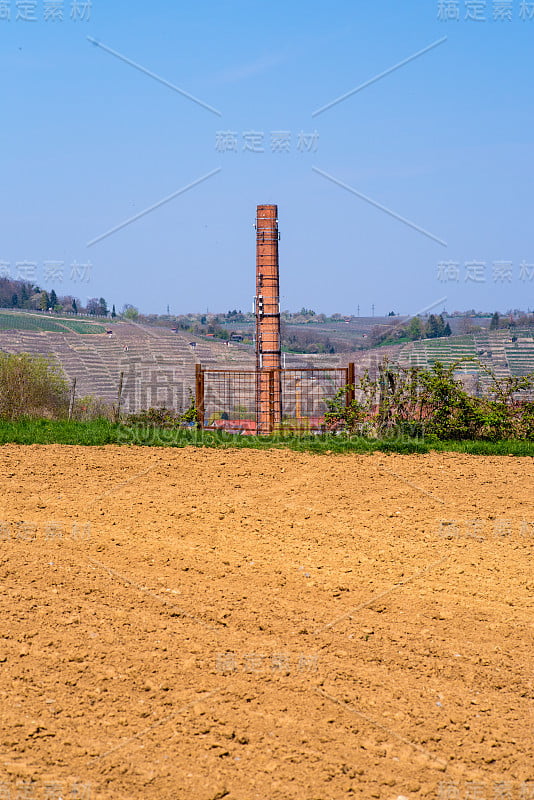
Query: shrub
432	402
156	417
31	386
165	417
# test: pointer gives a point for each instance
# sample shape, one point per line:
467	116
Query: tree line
416	328
28	296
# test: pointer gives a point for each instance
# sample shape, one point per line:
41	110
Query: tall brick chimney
267	309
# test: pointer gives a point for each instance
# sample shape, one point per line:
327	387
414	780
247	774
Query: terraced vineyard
158	366
503	353
38	322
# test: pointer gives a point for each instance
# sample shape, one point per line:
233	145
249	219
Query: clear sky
443	142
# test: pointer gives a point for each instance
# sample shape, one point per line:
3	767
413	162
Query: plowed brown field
269	625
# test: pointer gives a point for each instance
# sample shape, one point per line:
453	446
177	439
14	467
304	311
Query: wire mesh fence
230	400
160	386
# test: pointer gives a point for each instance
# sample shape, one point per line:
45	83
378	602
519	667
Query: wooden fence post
199	395
119	397
351	379
72	394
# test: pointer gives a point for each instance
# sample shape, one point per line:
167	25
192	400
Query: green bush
157	417
432	403
164	417
32	386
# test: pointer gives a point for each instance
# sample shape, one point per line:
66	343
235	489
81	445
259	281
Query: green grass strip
28	431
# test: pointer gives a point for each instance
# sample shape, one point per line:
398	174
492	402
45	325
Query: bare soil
201	624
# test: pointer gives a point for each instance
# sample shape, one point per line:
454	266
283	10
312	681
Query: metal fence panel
227	399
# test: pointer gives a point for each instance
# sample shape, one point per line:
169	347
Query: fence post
351	379
119	397
271	374
199	395
72	393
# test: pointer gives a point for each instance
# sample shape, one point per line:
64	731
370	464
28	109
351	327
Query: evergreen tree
113	312
75	306
494	324
435	327
53	299
44	301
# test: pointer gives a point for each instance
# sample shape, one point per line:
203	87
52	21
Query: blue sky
443	142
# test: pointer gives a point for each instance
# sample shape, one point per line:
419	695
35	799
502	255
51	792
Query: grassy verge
101	432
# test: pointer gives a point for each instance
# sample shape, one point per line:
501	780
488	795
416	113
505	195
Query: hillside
503	352
159	365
